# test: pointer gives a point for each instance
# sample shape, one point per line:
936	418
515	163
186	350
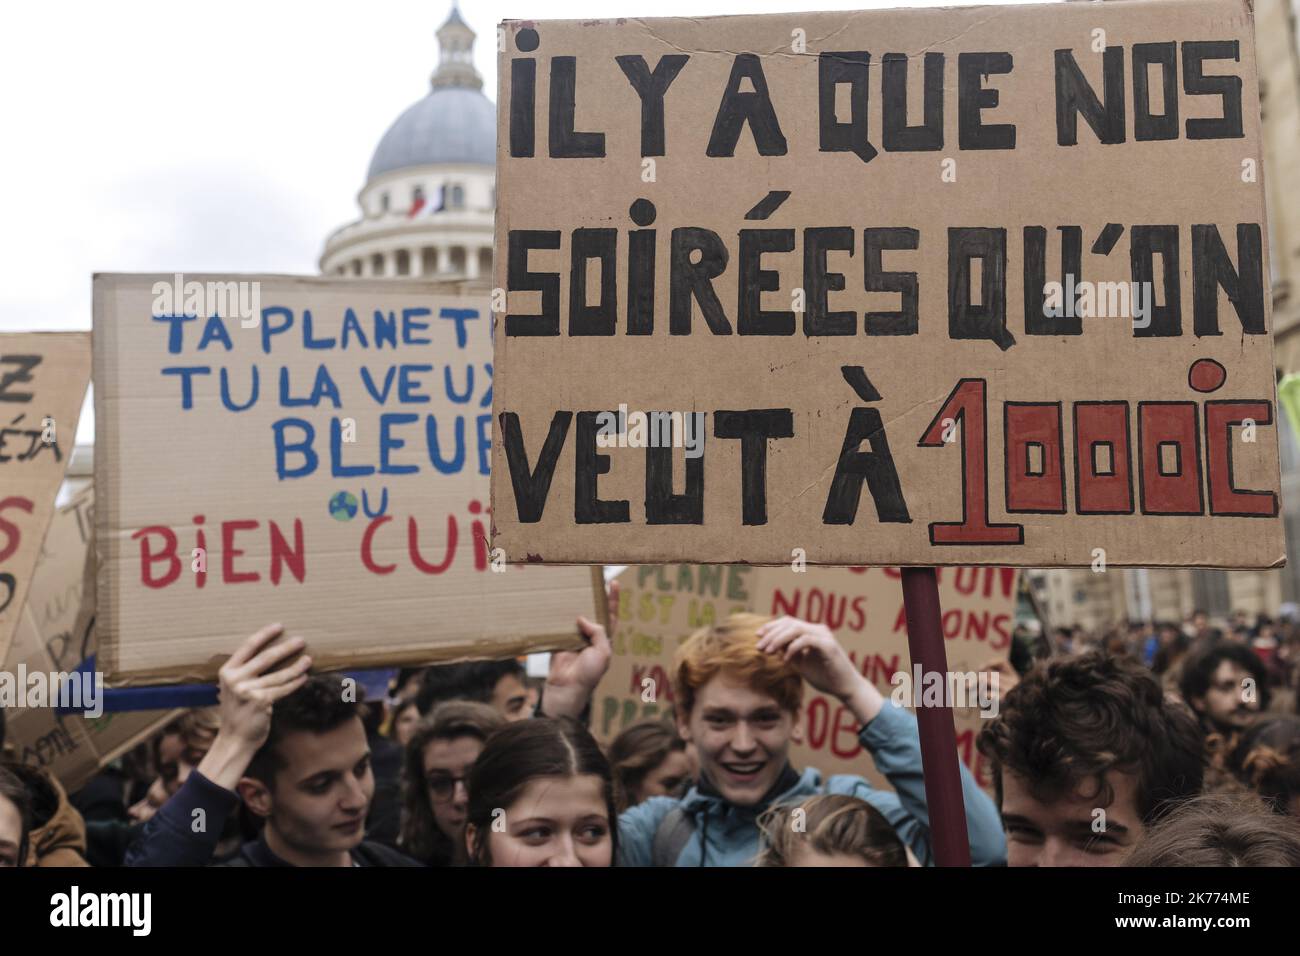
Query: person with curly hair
1087	753
435	779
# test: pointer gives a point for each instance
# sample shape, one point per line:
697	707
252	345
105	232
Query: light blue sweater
727	835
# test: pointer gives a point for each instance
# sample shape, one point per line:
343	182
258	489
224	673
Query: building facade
429	201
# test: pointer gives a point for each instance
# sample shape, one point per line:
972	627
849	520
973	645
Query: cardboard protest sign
43	378
307	451
55	635
964	286
660	606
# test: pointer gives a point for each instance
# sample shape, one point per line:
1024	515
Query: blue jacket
727	835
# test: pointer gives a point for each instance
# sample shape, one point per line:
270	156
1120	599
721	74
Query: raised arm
186	829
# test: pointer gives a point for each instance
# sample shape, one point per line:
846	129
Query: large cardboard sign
43	378
55	635
660	606
308	451
984	285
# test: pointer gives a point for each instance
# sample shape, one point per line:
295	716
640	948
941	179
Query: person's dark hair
637	751
2	729
420	837
1072	720
318	706
15	791
1267	759
1205	658
834	824
518	754
476	680
1219	829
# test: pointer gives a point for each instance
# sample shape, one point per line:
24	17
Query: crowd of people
1155	745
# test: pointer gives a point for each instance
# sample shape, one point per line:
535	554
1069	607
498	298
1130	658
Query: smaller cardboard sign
661	606
321	461
43	378
55	635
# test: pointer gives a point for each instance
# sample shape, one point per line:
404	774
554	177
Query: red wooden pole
943	795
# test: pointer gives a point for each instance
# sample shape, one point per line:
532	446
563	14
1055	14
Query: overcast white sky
218	137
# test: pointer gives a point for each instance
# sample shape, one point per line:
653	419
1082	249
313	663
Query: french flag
422	207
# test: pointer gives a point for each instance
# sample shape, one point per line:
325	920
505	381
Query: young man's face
1225	702
446	768
321	797
742	737
510	698
1070	831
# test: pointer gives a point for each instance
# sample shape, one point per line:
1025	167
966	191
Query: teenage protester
294	749
53	833
738	690
649	760
1220	830
541	794
1087	753
1225	684
58	833
15	820
177	750
174	752
438	759
829	830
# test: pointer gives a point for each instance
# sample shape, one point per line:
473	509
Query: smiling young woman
541	794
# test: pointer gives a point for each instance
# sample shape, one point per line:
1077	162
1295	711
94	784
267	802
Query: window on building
456	197
383	202
377	264
403	262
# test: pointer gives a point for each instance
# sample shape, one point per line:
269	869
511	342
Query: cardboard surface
56	633
43	378
662	606
835	233
375	549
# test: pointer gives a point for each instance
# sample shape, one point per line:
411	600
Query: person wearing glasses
439	756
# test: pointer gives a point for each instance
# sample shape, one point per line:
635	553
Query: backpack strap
671	837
